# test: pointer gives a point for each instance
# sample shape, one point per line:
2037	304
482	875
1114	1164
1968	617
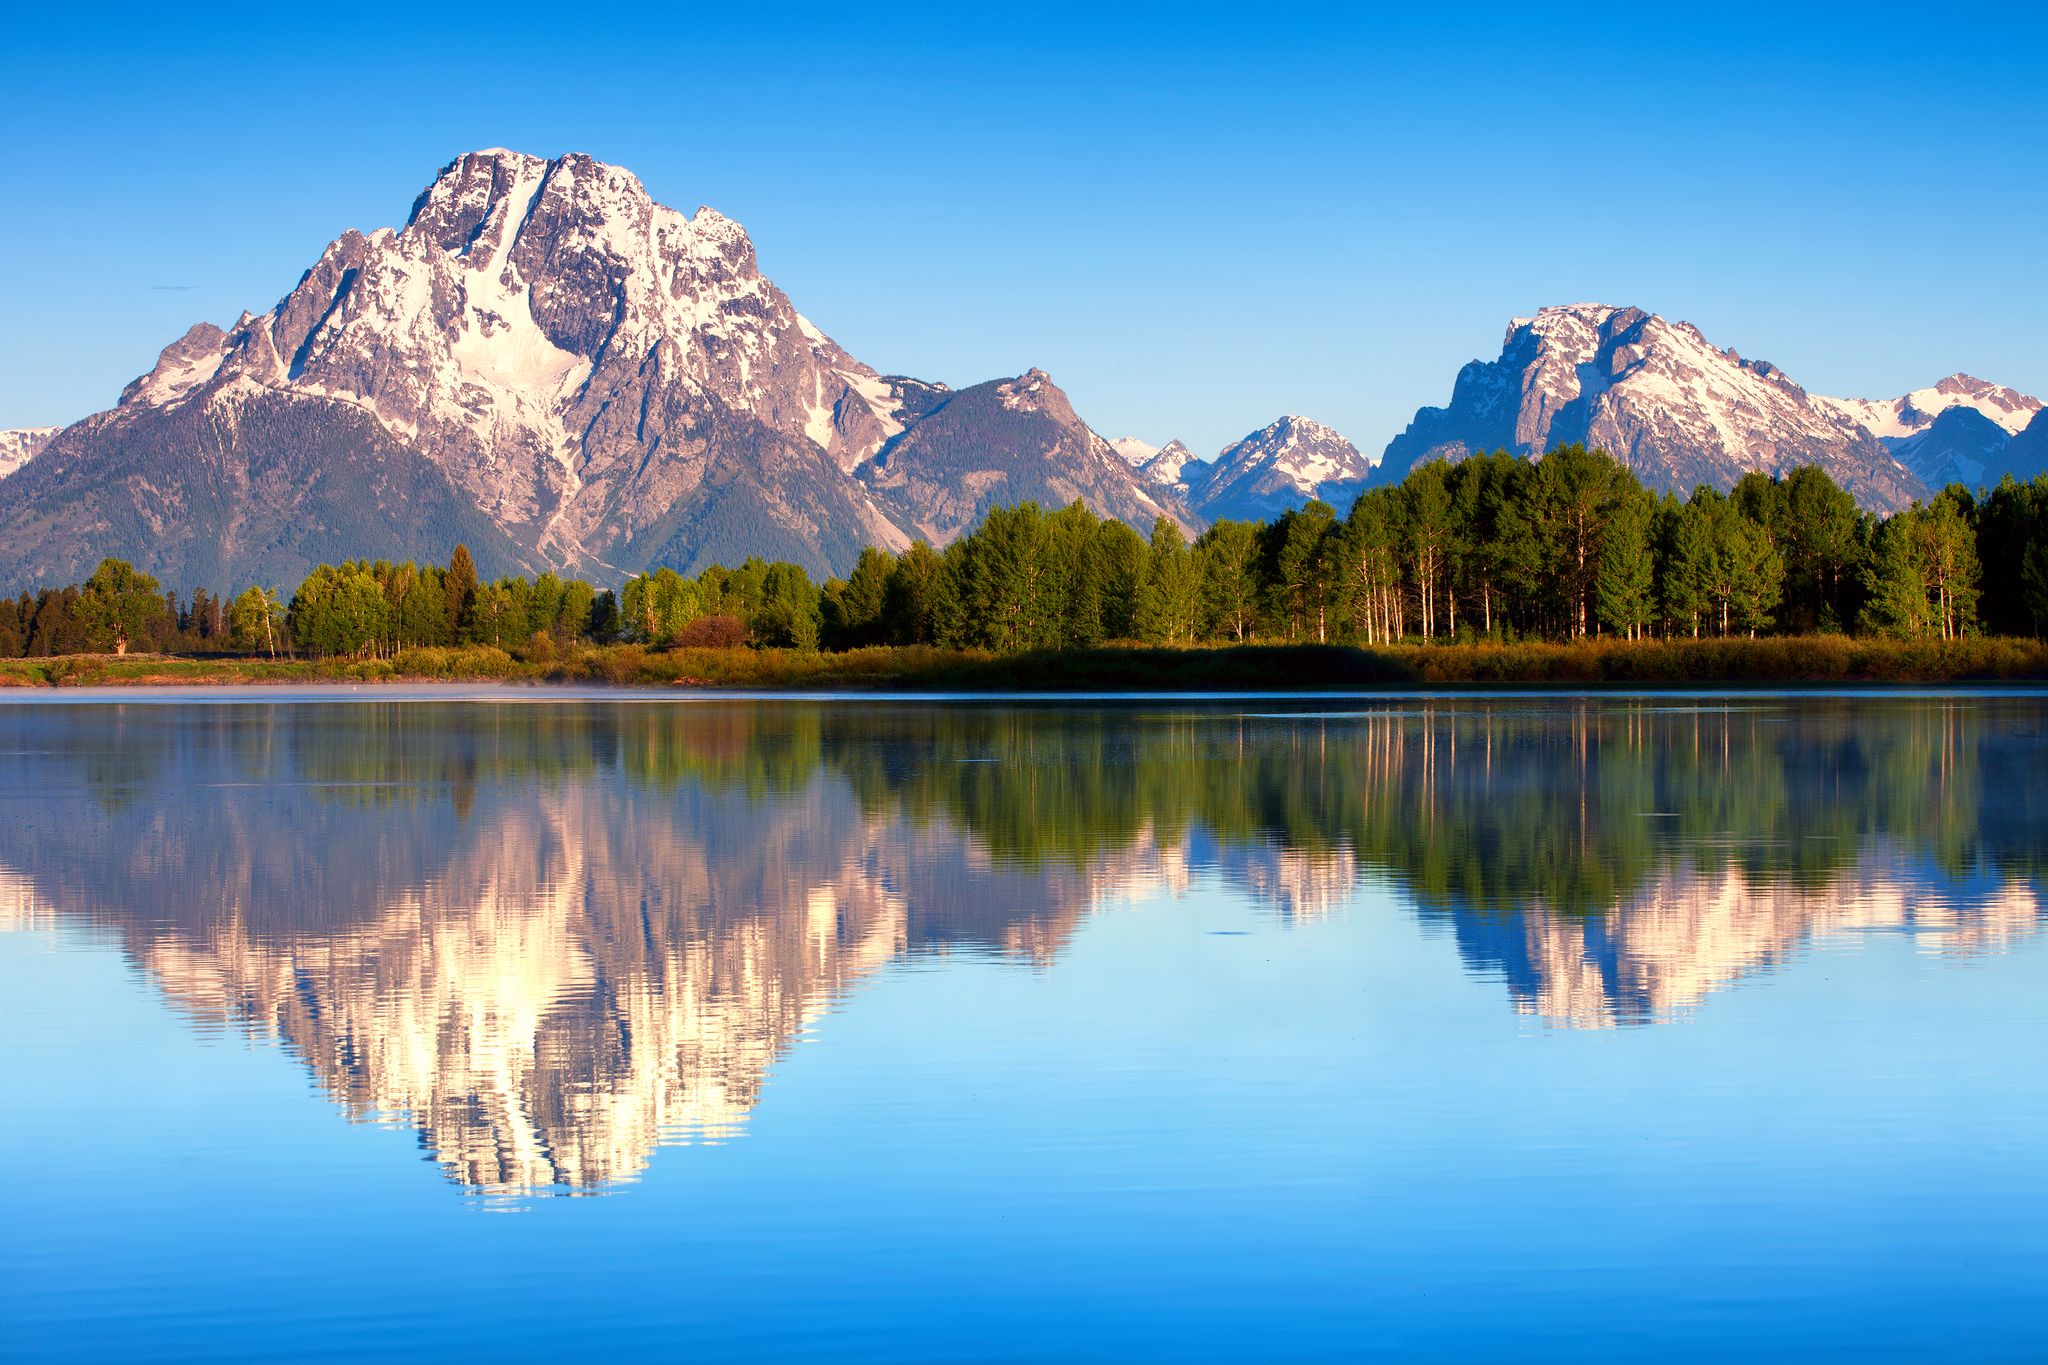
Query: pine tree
458	588
1169	598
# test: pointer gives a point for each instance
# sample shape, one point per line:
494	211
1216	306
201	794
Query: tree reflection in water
554	937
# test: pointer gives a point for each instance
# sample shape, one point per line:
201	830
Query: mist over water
1560	1025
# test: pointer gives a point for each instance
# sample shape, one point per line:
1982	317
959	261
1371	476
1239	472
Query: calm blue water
1538	1027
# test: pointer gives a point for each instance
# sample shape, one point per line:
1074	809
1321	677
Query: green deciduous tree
118	607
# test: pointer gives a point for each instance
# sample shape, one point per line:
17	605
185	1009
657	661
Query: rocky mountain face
1004	442
18	445
1677	410
1277	467
1897	419
1962	430
2026	454
542	358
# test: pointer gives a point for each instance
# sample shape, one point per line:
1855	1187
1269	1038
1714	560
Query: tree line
1490	547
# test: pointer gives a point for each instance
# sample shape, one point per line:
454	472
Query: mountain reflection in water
554	937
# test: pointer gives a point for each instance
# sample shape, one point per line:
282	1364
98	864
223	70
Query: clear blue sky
1195	218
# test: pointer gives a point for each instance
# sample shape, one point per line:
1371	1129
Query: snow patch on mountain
1657	395
1277	467
19	445
1134	451
1895	419
1170	463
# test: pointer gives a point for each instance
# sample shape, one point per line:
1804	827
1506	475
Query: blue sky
1196	218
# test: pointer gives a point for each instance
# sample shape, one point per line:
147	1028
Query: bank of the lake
1780	661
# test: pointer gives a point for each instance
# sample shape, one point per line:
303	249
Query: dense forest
1493	547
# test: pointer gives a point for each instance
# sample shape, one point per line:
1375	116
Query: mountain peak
1894	420
1657	394
1279	466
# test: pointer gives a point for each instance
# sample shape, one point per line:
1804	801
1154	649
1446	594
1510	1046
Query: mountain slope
1280	466
1003	442
250	487
1656	394
2026	454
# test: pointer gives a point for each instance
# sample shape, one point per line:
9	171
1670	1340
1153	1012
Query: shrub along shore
1811	660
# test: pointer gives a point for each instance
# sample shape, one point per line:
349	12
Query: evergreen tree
1169	599
1120	564
2034	583
458	588
603	627
852	614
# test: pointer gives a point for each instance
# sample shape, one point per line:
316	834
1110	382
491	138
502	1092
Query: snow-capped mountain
1658	395
1135	452
1004	442
542	360
1896	419
1961	445
1279	466
18	445
1174	464
1160	464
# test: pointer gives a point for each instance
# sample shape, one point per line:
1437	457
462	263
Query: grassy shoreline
1806	660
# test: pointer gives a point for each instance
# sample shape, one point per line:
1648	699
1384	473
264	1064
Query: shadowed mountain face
1006	442
552	939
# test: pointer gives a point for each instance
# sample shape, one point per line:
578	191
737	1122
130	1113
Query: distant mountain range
1680	412
547	365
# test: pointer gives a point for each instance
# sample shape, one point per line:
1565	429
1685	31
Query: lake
528	1024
